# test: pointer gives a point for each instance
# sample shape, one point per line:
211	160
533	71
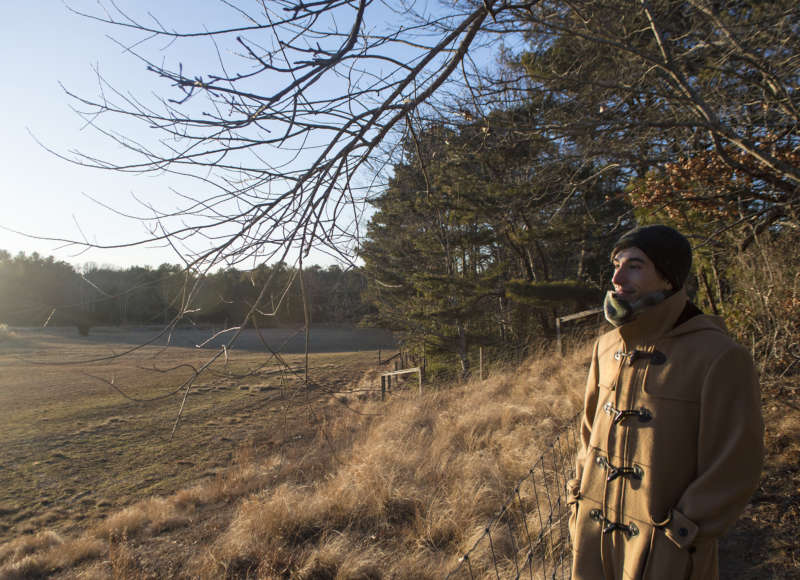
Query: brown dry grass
412	492
381	490
155	515
414	477
39	555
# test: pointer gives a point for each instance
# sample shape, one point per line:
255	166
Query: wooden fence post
383	387
558	337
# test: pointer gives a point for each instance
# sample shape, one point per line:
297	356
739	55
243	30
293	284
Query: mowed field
75	449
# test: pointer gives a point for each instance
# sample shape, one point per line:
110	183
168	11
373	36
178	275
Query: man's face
635	275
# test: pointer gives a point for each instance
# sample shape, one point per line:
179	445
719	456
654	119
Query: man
671	437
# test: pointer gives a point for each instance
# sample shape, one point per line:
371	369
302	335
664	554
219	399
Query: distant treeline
35	290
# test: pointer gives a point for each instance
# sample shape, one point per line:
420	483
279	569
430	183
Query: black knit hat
669	250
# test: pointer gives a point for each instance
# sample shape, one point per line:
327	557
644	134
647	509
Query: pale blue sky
42	44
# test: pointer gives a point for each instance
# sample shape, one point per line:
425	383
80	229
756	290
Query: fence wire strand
529	536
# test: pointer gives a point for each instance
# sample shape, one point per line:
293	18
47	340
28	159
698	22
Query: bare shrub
765	288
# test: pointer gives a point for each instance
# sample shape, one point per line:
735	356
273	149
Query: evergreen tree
477	220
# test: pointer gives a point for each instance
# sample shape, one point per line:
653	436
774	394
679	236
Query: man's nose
618	277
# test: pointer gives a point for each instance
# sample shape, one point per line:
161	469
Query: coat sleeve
587	419
730	451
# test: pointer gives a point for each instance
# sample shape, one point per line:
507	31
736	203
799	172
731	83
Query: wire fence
528	538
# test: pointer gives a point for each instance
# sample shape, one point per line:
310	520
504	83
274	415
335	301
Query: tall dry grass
39	555
411	494
398	489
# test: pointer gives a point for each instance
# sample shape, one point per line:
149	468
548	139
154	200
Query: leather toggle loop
620	415
614	472
656	357
629	530
628	356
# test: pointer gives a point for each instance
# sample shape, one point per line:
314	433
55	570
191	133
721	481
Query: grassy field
75	449
264	478
267	479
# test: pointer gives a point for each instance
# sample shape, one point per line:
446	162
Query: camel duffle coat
671	448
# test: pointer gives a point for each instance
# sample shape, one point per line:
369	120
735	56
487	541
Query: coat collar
654	321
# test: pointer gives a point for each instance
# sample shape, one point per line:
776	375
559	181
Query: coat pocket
665	560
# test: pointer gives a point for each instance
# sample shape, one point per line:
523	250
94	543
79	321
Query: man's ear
667	284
